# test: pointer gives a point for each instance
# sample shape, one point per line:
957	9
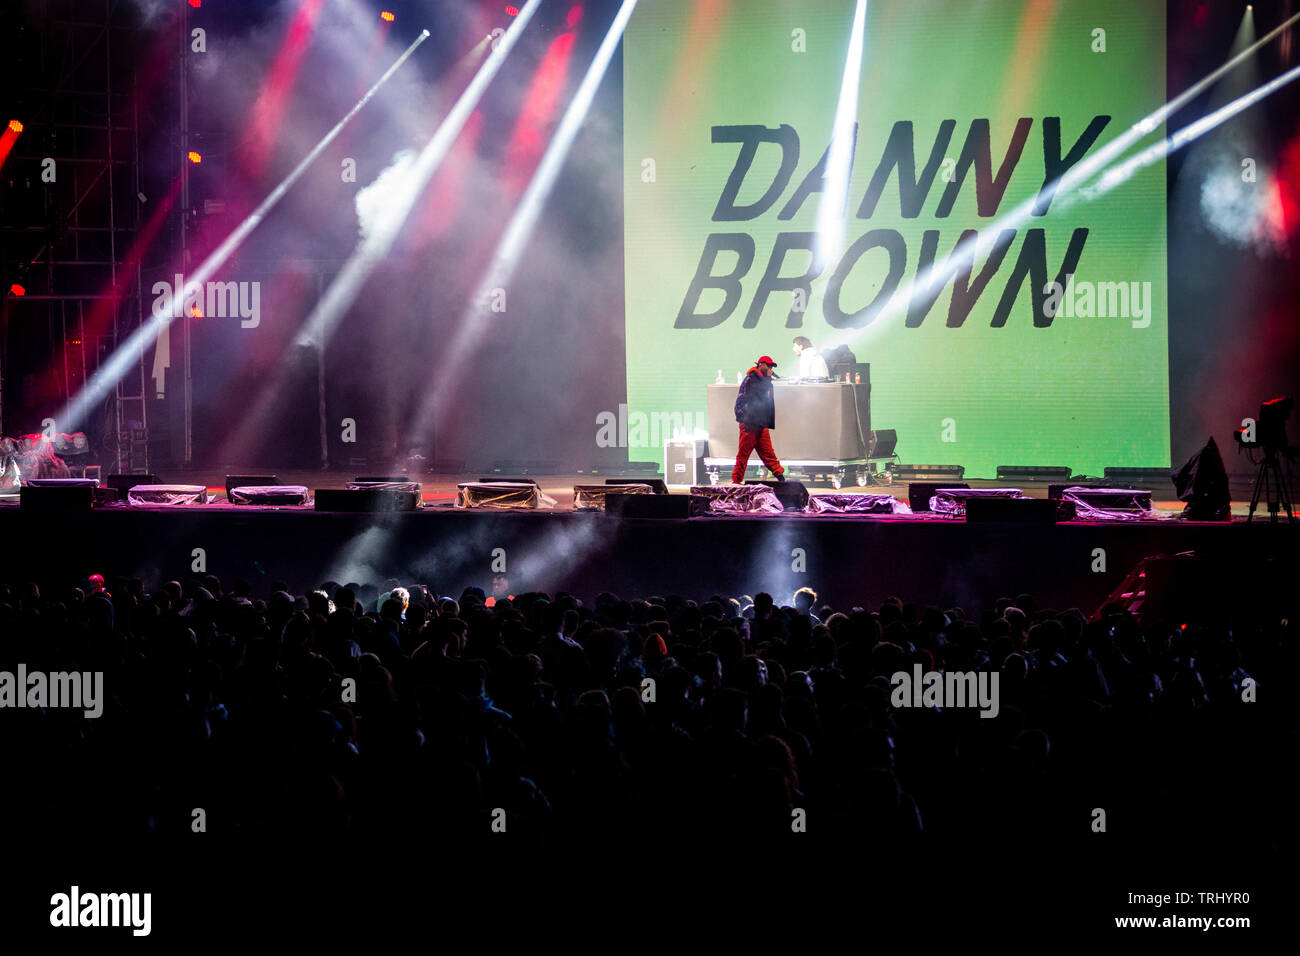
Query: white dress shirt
812	365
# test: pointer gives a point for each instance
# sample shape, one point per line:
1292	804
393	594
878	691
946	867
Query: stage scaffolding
66	241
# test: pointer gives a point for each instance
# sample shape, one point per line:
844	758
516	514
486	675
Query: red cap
766	360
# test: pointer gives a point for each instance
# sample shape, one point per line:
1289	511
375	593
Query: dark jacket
755	405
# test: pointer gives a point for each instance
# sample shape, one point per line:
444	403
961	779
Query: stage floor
440	490
849	559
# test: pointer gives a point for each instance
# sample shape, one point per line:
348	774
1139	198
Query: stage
849	559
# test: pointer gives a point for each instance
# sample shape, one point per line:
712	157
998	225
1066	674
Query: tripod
1270	471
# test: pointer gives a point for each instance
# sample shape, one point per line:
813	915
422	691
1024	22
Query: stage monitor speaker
167	496
684	461
919	493
656	483
124	483
273	496
1123	500
656	506
242	481
366	499
1055	488
883	443
104	495
1018	510
64	498
62	482
792	494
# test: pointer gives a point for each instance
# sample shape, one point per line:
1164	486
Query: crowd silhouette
385	712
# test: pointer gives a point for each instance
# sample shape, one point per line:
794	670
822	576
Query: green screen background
1084	392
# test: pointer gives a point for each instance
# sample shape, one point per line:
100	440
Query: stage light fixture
8	138
1034	472
17	290
1137	475
387	16
909	472
194	157
512	11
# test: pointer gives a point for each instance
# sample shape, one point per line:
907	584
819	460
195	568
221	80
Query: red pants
751	440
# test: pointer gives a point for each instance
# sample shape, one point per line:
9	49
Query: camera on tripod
1270	428
1268	434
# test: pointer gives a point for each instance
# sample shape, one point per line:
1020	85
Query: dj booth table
822	427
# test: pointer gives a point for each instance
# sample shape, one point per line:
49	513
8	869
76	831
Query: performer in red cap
756	413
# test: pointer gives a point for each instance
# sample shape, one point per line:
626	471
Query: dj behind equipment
812	367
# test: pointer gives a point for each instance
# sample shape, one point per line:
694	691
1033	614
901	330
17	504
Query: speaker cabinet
657	506
660	488
1055	488
883	443
498	479
65	499
245	481
792	494
919	493
124	483
1132	502
366	499
1018	510
684	462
